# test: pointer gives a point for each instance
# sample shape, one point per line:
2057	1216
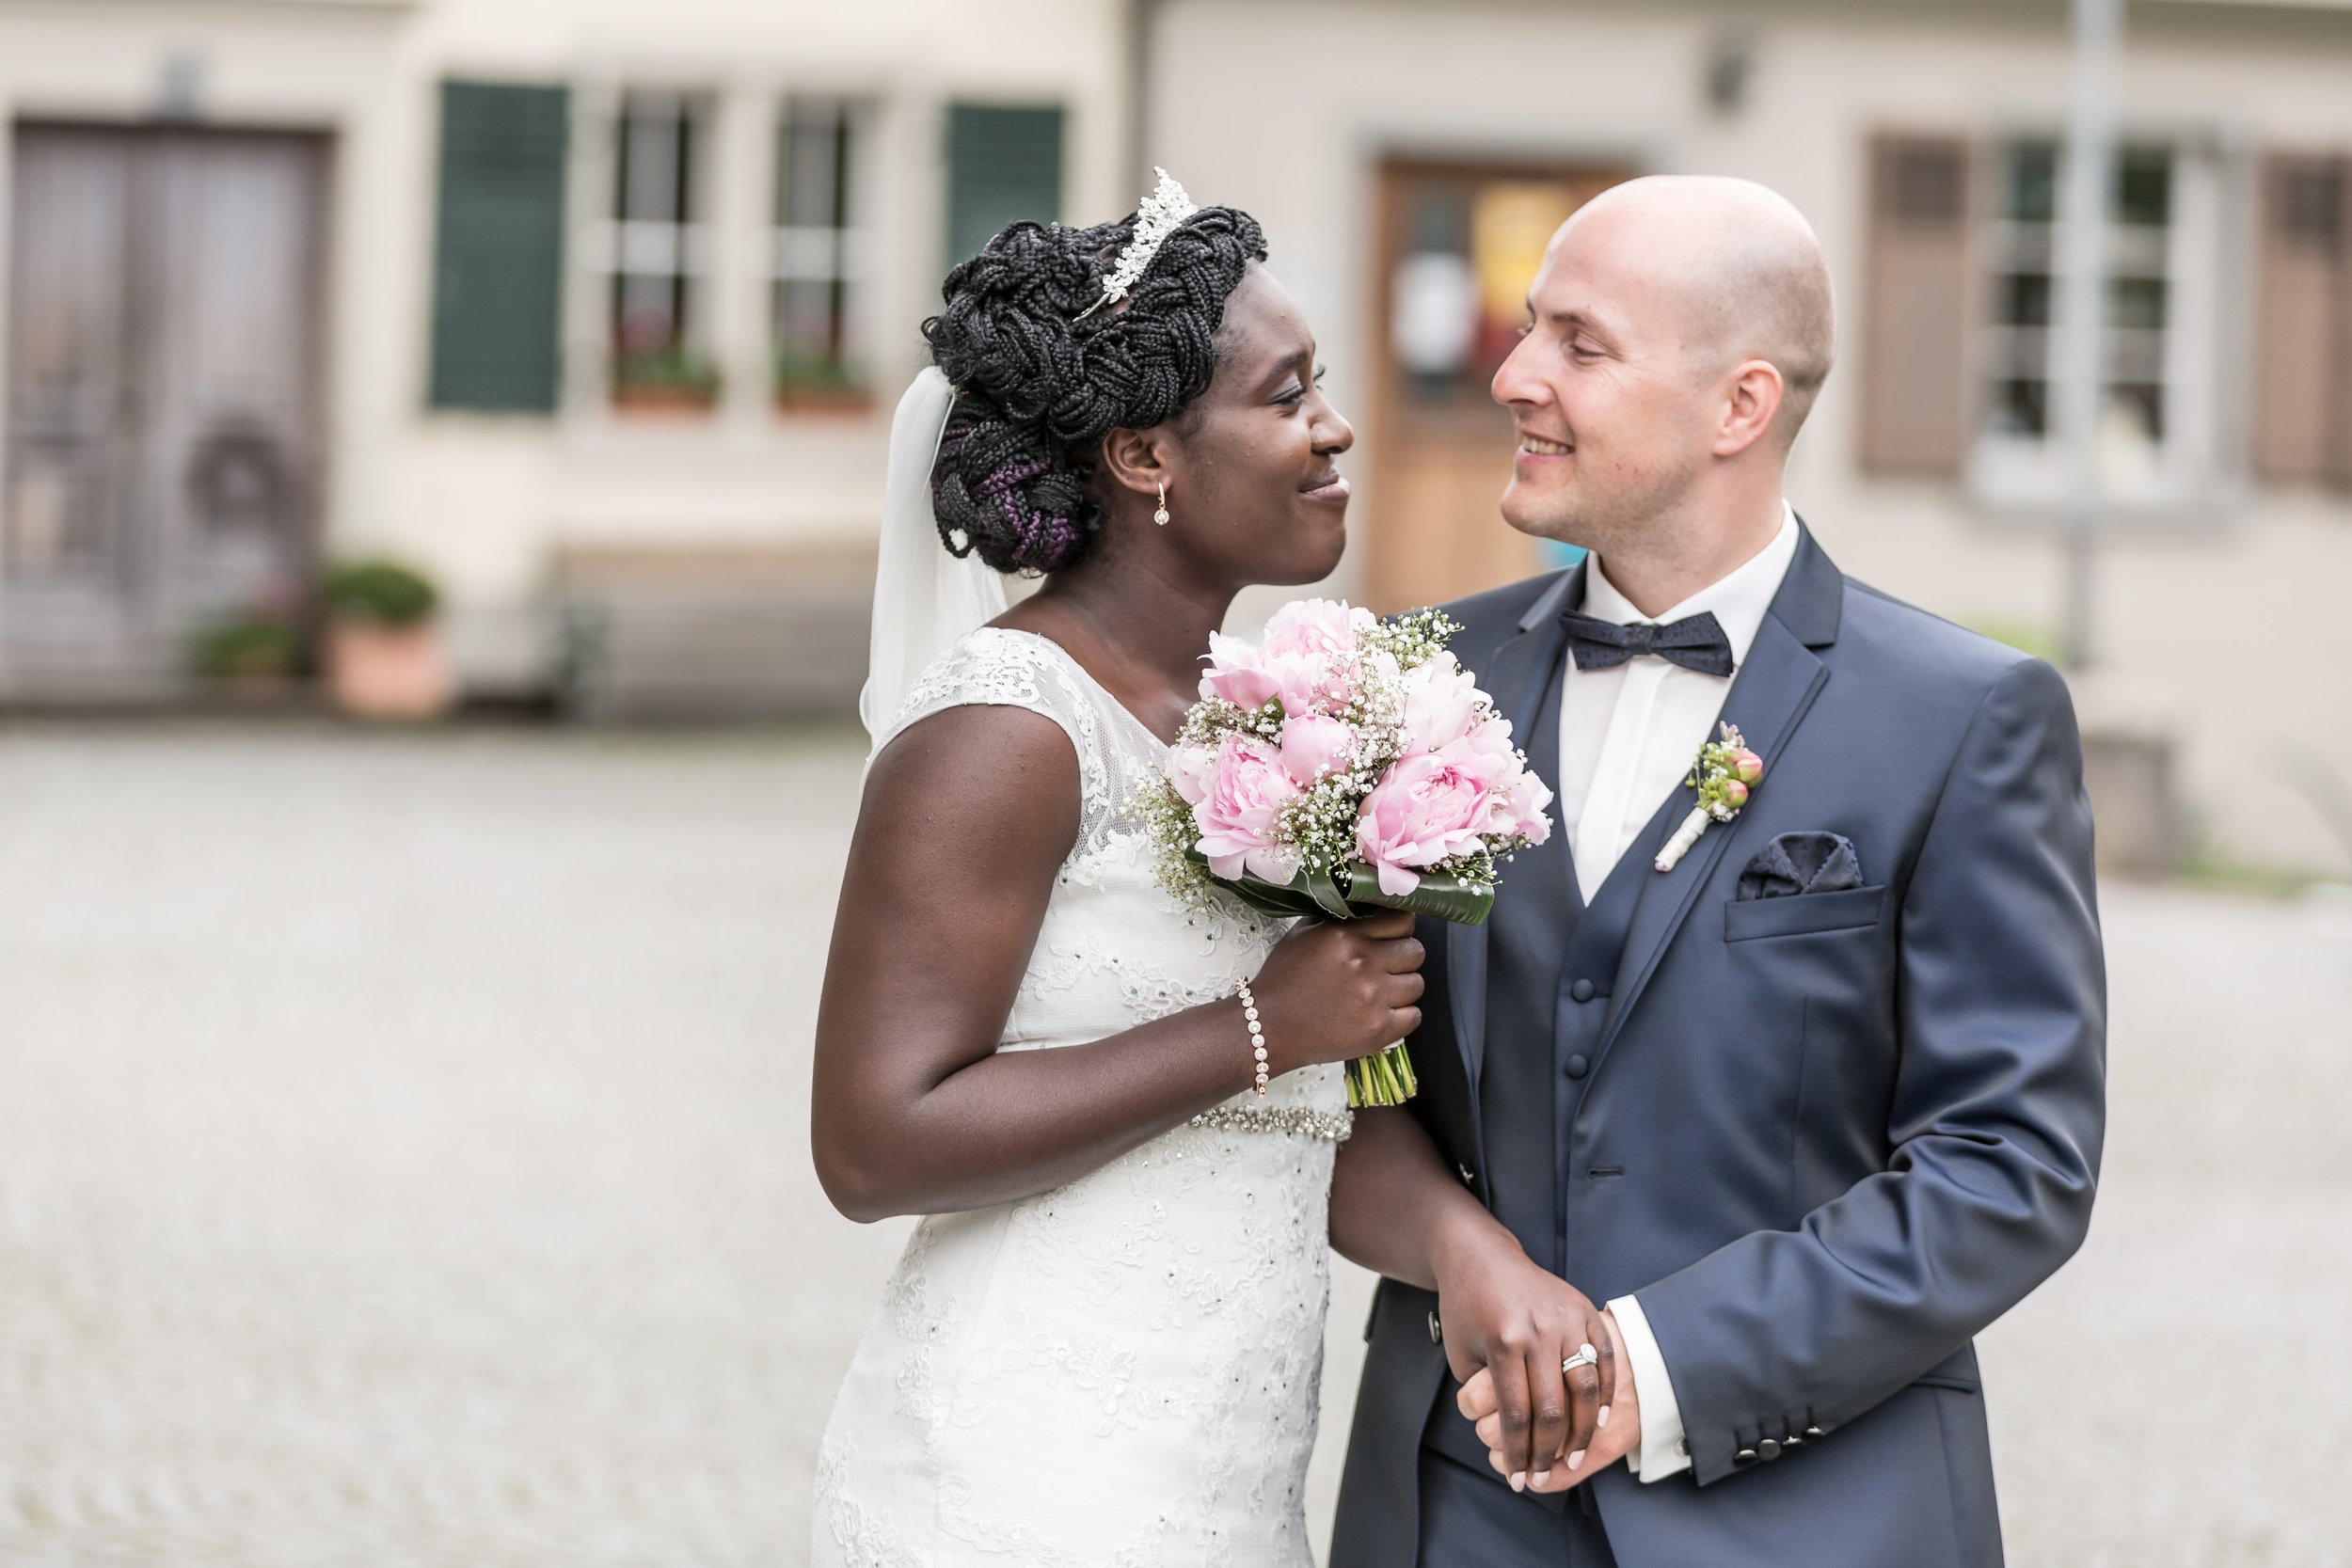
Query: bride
1102	1344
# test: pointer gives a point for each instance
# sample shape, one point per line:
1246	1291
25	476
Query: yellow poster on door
1511	222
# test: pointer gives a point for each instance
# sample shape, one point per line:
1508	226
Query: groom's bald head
1735	261
1678	333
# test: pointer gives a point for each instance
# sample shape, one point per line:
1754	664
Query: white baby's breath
1319	828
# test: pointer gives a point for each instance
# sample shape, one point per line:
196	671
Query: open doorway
162	461
1458	246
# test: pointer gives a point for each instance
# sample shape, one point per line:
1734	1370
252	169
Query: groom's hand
1619	1435
1508	1326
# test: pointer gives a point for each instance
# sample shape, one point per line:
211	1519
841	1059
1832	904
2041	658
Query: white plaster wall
485	500
1282	106
1286	108
748	476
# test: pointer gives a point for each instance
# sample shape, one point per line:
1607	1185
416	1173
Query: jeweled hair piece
1155	220
1038	388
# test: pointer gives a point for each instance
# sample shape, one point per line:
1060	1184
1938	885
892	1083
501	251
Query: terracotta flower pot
382	672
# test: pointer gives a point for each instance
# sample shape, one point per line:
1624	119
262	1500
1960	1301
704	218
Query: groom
1805	1111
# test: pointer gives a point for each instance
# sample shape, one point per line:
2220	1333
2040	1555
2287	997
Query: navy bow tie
1696	643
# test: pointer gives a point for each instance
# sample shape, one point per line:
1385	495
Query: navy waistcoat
1550	964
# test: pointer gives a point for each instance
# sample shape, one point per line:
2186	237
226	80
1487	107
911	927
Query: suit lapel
1516	677
1769	699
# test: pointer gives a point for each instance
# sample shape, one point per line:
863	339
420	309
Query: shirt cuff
1662	1452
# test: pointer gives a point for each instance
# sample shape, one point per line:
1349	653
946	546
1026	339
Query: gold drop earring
1161	515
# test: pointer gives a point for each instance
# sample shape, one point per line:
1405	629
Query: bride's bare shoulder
973	774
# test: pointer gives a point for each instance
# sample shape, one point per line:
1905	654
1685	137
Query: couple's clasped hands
1344	990
1508	1326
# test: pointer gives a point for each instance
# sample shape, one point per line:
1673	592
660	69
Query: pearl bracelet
1257	1035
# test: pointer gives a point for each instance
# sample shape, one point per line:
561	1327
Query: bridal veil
924	598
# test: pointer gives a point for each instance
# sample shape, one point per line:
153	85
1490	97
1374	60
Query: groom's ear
1136	460
1752	395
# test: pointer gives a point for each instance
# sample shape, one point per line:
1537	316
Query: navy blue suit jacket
1827	1137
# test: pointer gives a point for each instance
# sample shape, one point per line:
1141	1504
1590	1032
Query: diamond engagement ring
1585	1356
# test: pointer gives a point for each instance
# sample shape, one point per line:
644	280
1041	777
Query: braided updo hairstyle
1038	388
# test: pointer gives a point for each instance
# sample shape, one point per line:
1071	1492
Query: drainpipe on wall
2078	350
1142	15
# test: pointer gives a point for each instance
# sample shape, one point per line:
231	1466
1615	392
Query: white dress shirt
1628	737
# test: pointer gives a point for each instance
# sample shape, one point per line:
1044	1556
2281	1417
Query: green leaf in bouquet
1446	897
1324	890
1271	898
1353	891
1274	898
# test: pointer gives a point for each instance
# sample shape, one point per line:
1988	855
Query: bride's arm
1397	1209
968	817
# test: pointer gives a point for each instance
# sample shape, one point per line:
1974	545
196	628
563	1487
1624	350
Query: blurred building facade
1407	160
597	308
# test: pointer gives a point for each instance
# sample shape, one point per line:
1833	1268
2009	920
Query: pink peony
1440	704
1308	659
1237	673
1516	796
1425	809
1313	628
1191	770
1484	752
1518	806
1313	745
1309	651
1246	789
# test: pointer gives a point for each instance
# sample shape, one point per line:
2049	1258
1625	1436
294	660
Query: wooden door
1457	248
163	429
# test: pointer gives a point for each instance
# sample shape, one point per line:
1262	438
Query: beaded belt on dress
1334	1125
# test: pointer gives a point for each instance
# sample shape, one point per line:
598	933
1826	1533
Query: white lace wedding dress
1122	1372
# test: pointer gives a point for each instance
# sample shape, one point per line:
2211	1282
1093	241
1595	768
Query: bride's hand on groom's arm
1397	1208
1508	1326
1609	1443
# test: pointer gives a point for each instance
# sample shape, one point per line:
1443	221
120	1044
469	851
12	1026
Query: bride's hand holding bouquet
1342	768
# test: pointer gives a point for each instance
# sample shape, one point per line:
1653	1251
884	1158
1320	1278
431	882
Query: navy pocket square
1801	863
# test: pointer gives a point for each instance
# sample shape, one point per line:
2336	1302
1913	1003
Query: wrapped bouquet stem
1344	766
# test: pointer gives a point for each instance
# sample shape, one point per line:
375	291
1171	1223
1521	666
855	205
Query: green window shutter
498	271
1002	164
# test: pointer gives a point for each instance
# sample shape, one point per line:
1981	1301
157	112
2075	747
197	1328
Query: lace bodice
996	667
1122	1371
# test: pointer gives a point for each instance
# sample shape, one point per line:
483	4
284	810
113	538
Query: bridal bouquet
1345	765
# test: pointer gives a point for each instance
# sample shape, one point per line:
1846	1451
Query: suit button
1745	1456
1436	1330
1578	1067
1814	1431
1767	1450
1581	992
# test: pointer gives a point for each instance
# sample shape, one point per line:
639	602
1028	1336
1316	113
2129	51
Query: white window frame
2194	471
848	254
683	249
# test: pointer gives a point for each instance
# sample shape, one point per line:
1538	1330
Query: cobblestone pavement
403	1160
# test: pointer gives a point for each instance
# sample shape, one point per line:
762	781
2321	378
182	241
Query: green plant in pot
385	657
673	378
251	653
806	383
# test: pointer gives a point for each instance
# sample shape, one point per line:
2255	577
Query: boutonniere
1725	772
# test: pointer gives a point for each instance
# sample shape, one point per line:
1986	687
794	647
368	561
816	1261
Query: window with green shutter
498	252
1003	163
